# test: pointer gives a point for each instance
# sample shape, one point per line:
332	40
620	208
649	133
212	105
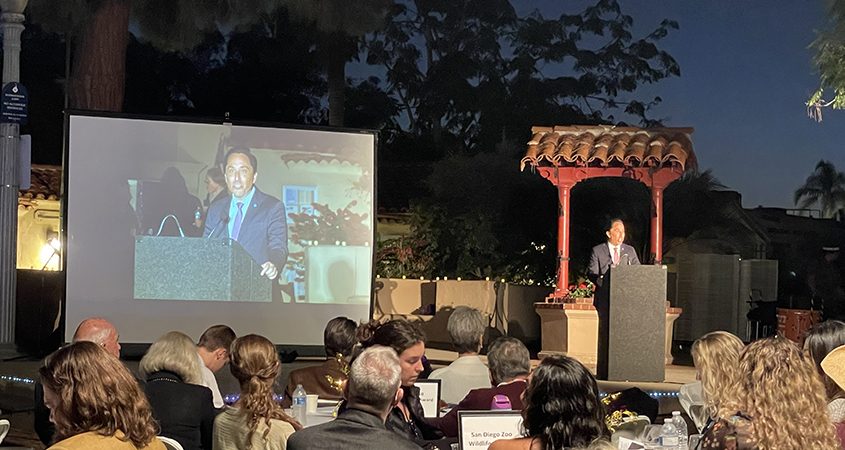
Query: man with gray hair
372	391
466	327
510	365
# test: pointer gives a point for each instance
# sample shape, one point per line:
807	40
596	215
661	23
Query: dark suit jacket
479	400
313	380
353	429
600	260
184	411
264	230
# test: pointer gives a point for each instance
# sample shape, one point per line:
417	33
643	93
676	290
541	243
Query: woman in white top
256	421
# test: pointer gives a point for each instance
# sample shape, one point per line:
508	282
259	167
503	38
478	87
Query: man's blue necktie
239	217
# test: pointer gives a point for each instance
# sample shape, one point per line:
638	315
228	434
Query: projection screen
179	225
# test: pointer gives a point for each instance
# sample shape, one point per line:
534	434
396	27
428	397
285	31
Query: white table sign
429	397
478	429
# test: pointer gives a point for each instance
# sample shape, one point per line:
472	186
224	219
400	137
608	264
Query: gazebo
565	155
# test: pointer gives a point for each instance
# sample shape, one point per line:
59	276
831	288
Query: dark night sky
746	71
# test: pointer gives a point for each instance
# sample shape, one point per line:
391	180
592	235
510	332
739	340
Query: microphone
627	259
224	220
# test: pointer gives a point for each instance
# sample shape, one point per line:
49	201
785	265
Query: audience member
408	341
561	408
716	359
95	403
374	388
510	365
181	405
822	339
778	402
326	380
213	350
256	421
95	329
466	327
215	186
833	367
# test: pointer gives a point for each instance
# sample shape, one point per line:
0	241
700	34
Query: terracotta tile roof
46	183
605	145
314	157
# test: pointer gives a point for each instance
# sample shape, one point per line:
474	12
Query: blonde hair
96	392
779	388
255	364
174	352
716	358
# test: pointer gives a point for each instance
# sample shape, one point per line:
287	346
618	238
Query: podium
193	268
632	311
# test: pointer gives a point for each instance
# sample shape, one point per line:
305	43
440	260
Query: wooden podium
631	309
193	268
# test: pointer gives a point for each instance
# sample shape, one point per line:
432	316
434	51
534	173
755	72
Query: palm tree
824	186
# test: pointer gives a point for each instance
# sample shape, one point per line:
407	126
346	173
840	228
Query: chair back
170	443
4	428
691	398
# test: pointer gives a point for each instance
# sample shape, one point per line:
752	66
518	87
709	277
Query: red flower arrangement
584	289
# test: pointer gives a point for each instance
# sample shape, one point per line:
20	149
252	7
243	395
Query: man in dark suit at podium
612	253
254	219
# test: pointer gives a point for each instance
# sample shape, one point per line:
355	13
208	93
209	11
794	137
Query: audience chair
169	443
4	429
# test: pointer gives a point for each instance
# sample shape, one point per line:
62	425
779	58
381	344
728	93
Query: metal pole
12	23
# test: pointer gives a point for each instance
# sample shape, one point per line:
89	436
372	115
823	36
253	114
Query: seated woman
183	408
95	402
820	341
561	409
256	421
778	402
716	359
408	341
326	380
466	328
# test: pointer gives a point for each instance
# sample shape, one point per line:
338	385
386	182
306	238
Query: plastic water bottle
681	426
668	435
298	404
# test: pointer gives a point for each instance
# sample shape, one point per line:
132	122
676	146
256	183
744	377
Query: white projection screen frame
124	174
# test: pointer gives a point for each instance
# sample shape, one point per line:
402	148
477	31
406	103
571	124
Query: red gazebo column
659	180
657	225
563	238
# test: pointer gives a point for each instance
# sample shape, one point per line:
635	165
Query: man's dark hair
340	337
609	224
216	176
217	336
243	151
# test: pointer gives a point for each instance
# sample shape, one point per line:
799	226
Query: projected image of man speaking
254	219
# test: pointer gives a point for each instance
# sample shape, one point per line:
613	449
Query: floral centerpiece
584	289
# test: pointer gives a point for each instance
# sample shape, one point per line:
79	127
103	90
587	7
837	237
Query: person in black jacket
182	406
371	393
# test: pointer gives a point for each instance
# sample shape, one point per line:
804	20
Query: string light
653	394
14	379
231	399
